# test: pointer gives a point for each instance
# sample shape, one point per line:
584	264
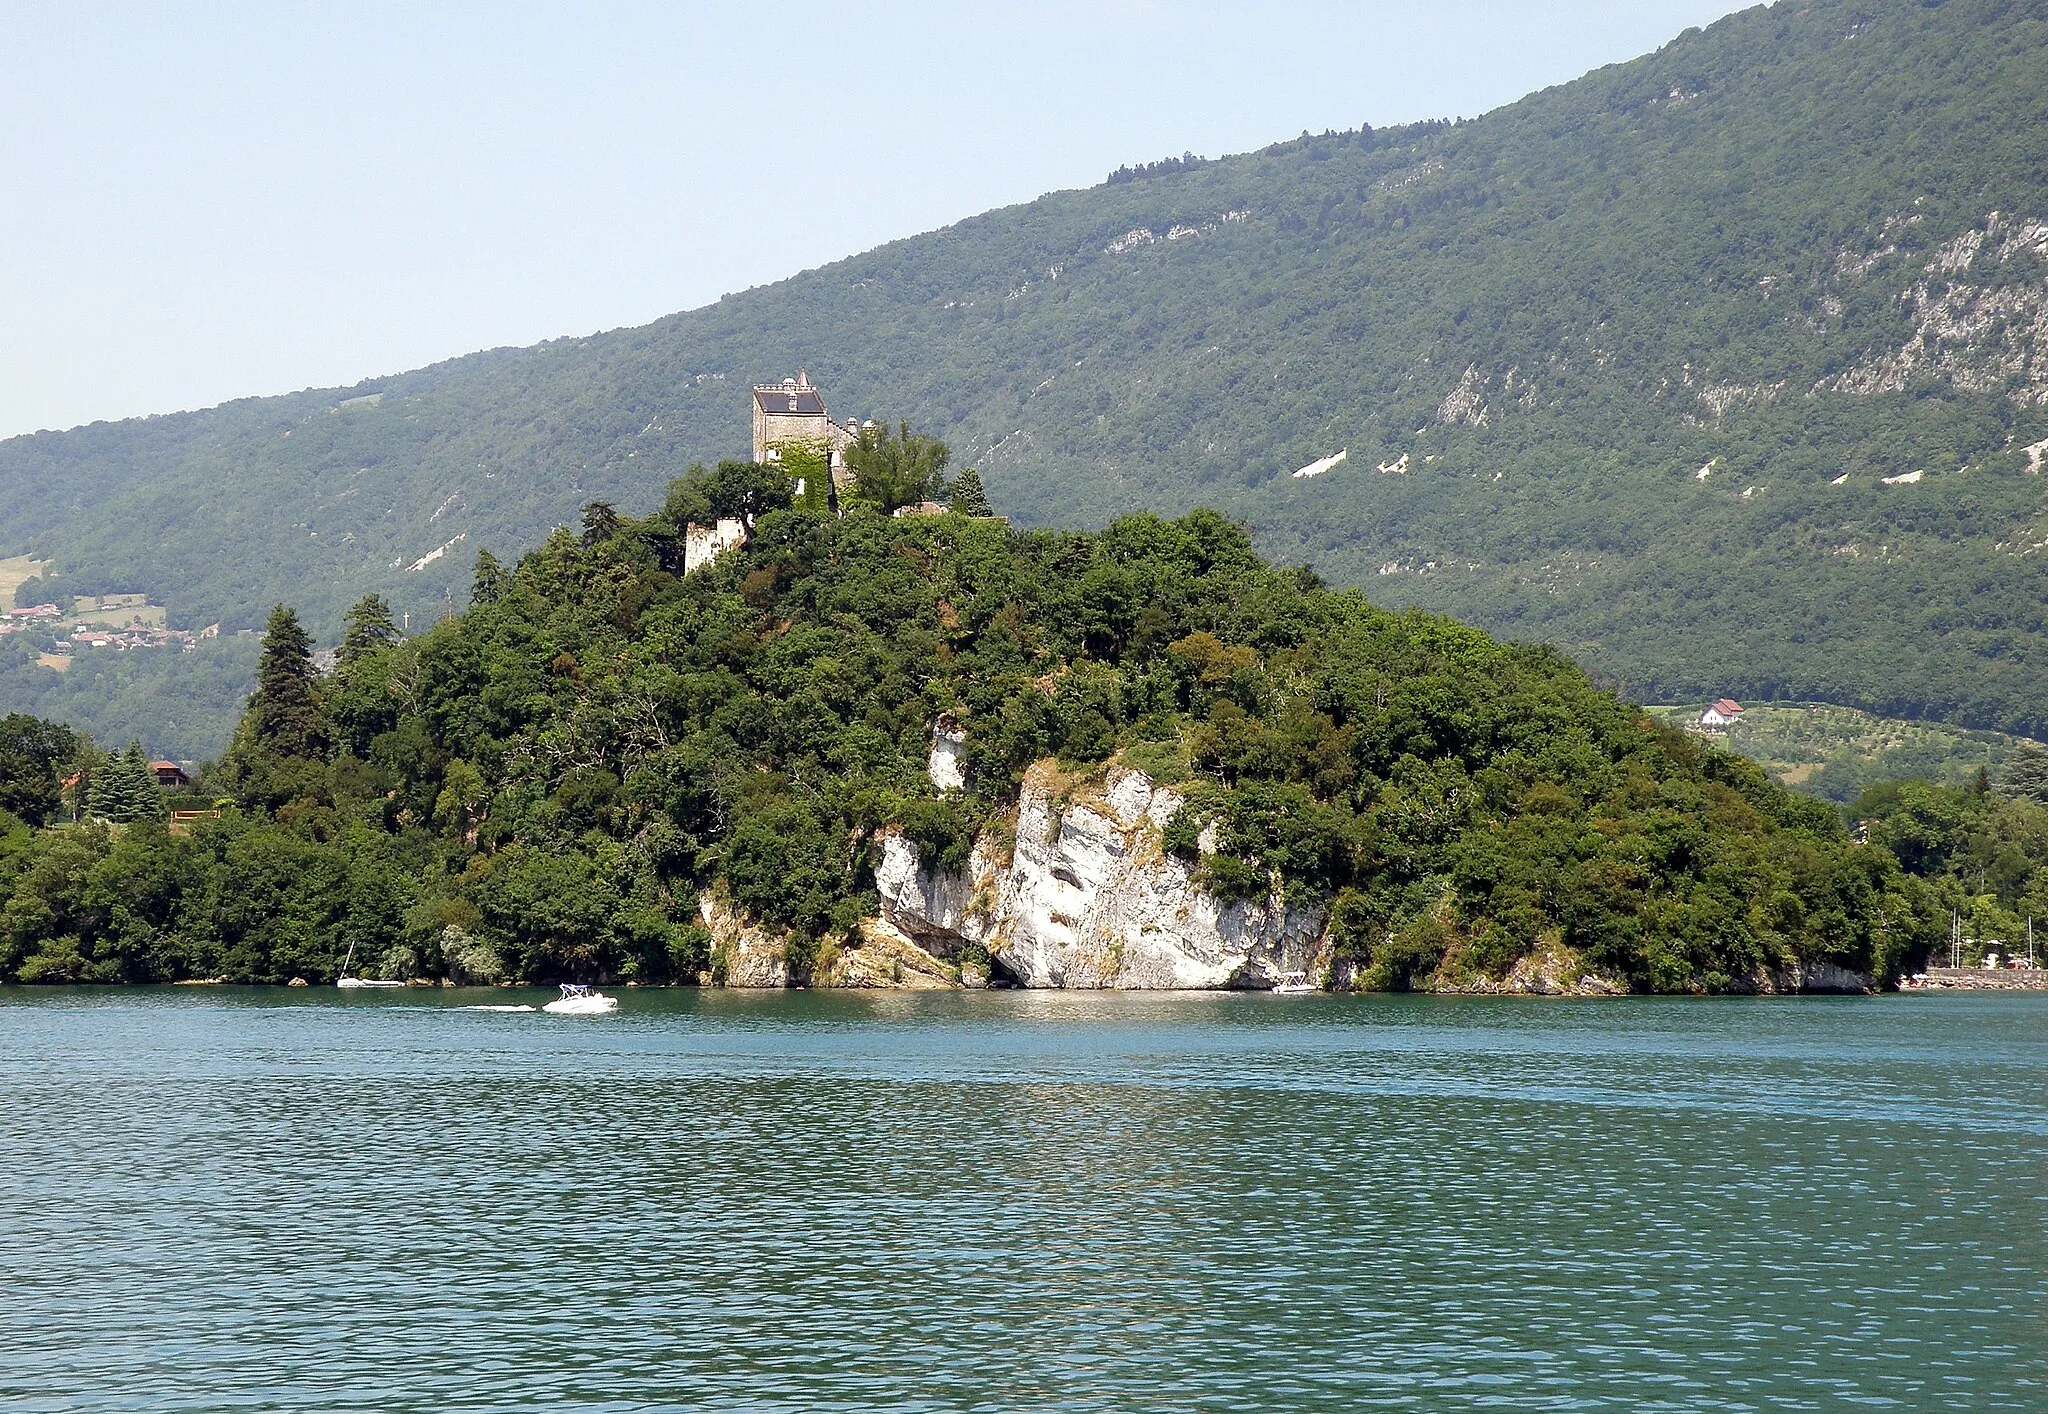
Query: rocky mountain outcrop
1979	312
1086	896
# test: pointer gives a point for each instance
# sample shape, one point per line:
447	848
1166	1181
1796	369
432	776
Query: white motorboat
1295	982
579	1000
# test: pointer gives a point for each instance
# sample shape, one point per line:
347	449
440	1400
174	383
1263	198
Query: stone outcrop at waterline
1076	890
1085	895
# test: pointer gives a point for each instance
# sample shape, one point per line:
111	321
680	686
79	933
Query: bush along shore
868	750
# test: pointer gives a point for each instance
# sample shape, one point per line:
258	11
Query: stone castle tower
792	412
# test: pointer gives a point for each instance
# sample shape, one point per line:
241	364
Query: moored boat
348	983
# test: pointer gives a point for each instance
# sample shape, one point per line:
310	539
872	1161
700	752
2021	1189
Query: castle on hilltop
793	430
792	414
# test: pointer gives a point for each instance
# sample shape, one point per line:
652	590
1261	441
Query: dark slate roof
787	400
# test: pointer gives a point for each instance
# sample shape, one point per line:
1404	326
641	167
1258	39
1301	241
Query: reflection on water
272	1200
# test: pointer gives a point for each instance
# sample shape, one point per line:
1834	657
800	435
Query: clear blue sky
207	201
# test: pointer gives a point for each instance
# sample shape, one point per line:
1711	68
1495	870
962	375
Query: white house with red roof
1722	715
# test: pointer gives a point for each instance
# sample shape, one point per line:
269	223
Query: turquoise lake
225	1199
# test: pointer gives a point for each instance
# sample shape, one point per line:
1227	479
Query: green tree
370	628
968	496
743	491
489	581
746	491
2026	774
125	790
32	592
899	469
285	713
32	755
600	522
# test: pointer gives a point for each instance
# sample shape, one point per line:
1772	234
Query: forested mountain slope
1634	366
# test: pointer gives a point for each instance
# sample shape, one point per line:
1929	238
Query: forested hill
551	784
1634	366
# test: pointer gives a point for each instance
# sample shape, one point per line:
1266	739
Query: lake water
236	1200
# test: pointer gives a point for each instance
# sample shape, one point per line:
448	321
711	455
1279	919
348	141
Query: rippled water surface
229	1200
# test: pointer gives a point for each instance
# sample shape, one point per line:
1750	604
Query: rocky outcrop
743	953
1551	970
1979	316
1077	891
887	957
1824	977
1086	896
746	954
948	765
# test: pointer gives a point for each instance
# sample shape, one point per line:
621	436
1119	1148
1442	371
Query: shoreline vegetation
606	770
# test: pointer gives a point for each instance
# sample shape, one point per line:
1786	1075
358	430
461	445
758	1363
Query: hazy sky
206	201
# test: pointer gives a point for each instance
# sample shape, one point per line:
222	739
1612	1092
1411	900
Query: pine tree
490	581
2026	774
370	627
969	499
99	787
600	522
139	789
286	712
124	789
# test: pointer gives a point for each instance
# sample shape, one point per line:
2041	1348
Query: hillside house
1722	715
170	775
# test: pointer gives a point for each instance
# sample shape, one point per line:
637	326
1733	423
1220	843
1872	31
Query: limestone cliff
1086	896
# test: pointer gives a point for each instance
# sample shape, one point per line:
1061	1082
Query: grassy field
1834	752
13	572
139	616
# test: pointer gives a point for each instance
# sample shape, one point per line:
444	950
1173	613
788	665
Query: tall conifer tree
369	628
488	585
286	712
124	790
968	496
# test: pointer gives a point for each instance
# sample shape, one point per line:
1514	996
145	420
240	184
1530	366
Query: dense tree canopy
896	469
543	786
33	756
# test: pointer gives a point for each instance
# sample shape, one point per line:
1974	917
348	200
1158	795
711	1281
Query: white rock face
947	765
1317	468
925	904
747	954
1822	977
1089	898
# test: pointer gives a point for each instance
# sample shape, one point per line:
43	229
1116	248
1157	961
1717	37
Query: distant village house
1722	715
